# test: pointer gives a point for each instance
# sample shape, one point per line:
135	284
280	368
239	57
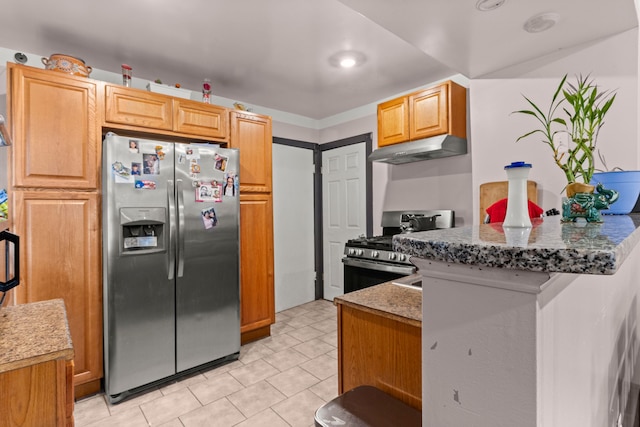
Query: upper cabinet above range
135	108
438	110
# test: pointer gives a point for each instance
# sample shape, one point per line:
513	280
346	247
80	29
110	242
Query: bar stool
367	406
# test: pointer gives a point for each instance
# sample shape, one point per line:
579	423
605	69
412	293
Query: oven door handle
378	266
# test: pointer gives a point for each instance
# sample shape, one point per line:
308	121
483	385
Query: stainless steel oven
370	261
360	274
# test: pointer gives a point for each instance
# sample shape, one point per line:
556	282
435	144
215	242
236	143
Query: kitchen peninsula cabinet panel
200	119
379	351
135	107
438	110
257	306
251	133
60	258
393	122
56	131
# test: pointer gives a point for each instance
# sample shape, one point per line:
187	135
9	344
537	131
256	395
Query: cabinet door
34	396
429	112
256	261
56	131
251	133
393	122
380	351
200	119
136	107
60	258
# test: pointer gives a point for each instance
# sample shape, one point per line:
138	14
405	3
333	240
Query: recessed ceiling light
347	62
347	59
487	5
541	22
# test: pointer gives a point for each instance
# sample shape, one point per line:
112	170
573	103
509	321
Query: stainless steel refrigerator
170	260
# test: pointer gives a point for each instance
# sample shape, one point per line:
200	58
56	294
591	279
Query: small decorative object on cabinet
67	64
206	91
576	113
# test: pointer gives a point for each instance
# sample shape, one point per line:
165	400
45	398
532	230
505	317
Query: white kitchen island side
540	334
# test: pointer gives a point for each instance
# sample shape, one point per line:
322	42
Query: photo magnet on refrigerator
209	218
121	173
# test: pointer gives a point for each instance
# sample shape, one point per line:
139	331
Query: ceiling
276	53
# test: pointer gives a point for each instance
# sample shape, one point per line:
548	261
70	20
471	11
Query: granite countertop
34	333
551	246
401	303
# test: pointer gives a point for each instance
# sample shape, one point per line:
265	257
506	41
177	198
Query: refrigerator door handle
181	224
172	229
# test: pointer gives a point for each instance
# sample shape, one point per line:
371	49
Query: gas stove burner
380	248
375	242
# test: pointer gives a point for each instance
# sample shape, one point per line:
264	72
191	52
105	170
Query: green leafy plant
585	107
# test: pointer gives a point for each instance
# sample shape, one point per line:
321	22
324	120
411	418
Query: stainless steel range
371	260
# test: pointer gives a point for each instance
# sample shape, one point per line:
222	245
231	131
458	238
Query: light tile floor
278	381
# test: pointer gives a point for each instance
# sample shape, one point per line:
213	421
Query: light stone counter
551	245
34	333
401	303
537	330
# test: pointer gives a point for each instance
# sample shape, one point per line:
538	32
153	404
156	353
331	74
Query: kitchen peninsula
537	329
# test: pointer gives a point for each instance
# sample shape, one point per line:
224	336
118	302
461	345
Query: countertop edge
34	333
367	300
556	248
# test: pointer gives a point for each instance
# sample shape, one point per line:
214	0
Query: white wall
613	62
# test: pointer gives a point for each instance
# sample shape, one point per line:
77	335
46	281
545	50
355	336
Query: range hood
435	147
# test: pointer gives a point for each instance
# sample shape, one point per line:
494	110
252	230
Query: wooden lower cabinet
40	395
60	258
379	351
257	306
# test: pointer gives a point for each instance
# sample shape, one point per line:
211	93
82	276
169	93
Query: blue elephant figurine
588	205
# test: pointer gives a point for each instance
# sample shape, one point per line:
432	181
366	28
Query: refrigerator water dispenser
142	230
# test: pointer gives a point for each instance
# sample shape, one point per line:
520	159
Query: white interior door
293	226
343	209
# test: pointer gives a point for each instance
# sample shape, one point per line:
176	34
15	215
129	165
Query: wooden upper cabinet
196	118
136	107
393	121
56	131
251	133
430	112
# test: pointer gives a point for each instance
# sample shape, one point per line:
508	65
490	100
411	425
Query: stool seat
367	406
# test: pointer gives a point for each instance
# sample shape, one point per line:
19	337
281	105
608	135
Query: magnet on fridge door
121	173
221	162
192	153
145	184
206	192
230	184
136	168
151	164
133	146
209	218
159	152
